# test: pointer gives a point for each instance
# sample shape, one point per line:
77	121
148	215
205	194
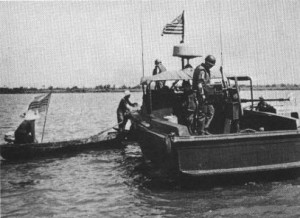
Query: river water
118	183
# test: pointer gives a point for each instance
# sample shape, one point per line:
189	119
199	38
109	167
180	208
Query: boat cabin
164	107
242	140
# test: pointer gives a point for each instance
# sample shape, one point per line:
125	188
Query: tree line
98	88
114	88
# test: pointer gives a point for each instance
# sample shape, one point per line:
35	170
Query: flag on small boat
175	27
40	103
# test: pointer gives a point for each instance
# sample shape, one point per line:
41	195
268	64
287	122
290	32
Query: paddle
100	133
109	128
96	137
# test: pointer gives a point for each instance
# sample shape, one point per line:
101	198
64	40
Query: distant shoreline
92	90
41	91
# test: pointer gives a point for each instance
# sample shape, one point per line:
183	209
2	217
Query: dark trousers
195	123
198	121
206	113
21	138
122	120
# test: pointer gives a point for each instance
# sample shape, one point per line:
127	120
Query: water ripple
116	183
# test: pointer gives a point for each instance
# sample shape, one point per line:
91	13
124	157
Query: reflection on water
117	183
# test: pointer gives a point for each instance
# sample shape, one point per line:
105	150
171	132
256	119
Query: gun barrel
270	99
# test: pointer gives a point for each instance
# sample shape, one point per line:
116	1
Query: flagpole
175	28
46	118
182	41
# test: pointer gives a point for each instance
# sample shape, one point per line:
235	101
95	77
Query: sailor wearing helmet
264	106
123	110
201	81
159	68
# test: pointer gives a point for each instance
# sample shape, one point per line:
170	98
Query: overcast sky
86	43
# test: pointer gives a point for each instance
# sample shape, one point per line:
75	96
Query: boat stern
237	153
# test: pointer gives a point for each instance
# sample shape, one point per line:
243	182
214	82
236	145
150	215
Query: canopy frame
243	78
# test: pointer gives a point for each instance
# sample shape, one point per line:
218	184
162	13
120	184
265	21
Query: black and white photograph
147	108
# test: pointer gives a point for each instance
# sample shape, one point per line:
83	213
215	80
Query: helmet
211	60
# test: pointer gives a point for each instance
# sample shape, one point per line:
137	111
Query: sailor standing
159	68
201	81
123	110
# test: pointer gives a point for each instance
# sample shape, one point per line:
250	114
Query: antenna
142	40
221	45
220	26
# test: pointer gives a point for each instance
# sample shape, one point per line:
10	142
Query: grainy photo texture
128	108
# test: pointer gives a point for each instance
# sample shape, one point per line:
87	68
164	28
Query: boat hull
224	154
235	153
209	181
52	149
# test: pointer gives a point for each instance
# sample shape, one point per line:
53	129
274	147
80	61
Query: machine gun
269	99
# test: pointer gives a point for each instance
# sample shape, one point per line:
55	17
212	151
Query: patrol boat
264	143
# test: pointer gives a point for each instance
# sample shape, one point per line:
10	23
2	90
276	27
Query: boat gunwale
222	137
239	170
73	142
235	136
51	144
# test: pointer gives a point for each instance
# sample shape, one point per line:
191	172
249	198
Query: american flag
175	27
40	103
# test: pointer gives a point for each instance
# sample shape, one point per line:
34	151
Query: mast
221	45
142	40
176	27
182	41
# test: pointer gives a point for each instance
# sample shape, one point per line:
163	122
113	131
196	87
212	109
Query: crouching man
123	111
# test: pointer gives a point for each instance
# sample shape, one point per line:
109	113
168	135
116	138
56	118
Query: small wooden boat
265	142
111	140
